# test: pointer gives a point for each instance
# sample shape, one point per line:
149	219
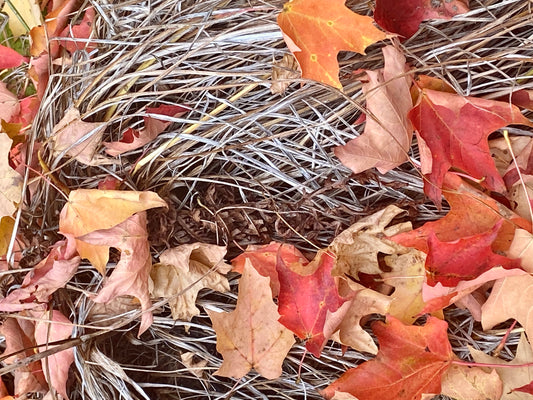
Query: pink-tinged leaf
526	388
305	300
9	104
388	132
19	334
49	275
153	126
9	58
264	259
456	128
404	16
463	259
130	276
56	366
39	73
28	110
78	35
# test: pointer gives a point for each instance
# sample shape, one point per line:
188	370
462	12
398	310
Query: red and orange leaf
464	259
404	16
316	33
304	300
410	362
264	259
456	128
472	212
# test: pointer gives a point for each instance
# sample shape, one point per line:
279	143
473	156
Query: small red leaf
526	388
304	300
9	58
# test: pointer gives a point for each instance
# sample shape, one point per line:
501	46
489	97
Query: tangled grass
242	166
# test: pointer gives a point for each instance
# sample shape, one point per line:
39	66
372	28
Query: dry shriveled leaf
410	362
130	276
404	16
284	72
251	336
512	378
10	180
386	140
184	271
76	138
89	210
316	34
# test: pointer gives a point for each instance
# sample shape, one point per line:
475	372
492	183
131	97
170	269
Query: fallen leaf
522	248
463	259
462	382
88	210
153	126
196	367
387	137
304	300
185	270
9	58
525	389
284	72
456	128
316	34
361	303
52	273
410	362
10	180
472	212
251	336
132	272
77	37
264	259
28	10
54	327
9	103
512	378
520	196
511	297
404	17
76	138
6	231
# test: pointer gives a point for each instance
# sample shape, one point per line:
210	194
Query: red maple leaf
404	16
304	300
464	259
456	128
472	212
410	362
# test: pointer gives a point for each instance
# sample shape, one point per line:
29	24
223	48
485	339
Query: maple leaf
77	35
472	212
463	259
184	271
88	210
511	297
76	138
316	34
304	300
470	383
251	336
404	16
153	126
264	259
10	180
522	248
49	275
132	272
386	140
9	58
456	128
514	377
9	103
411	361
362	302
54	327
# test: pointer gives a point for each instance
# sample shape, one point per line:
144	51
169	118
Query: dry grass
261	169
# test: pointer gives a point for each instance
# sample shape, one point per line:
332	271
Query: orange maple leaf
316	32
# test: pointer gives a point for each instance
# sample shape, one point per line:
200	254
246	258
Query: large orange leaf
316	32
410	362
456	128
305	300
251	336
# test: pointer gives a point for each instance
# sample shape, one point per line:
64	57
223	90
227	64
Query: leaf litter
252	172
